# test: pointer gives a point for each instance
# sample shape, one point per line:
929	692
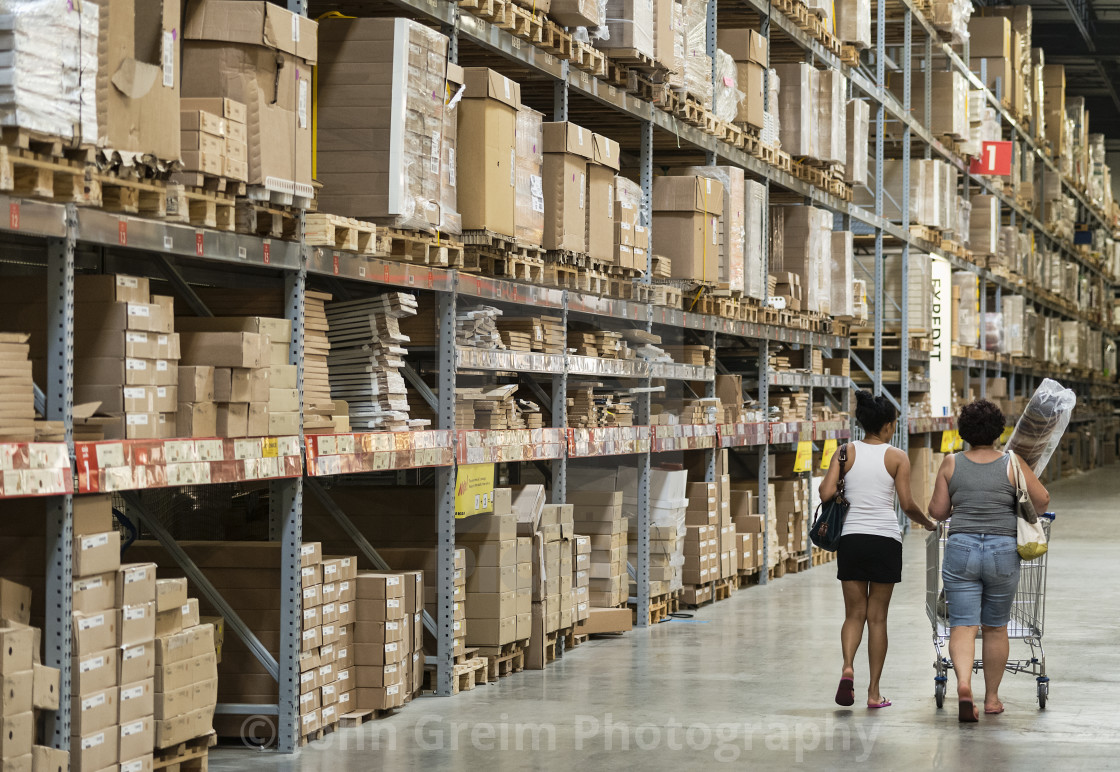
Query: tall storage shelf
61	240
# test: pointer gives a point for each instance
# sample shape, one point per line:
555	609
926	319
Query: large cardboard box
488	126
686	225
138	77
989	37
258	54
600	198
567	150
374	162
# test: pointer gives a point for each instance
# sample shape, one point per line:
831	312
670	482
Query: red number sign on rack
995	159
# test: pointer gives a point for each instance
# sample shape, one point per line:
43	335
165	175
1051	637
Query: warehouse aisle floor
751	681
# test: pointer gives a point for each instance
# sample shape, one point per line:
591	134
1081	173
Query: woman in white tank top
869	558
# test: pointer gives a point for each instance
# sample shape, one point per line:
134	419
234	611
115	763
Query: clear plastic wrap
397	184
529	201
50	67
676	77
727	95
1015	329
1044	421
797	108
771	122
833	120
777	221
853	22
450	221
842	274
993	331
951	16
754	281
966	286
806	251
983	225
919	291
732	222
859	123
631	26
578	15
697	63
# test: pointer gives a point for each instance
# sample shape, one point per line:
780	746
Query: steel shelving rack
60	237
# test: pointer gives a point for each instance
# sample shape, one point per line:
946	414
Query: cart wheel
939	693
1043	692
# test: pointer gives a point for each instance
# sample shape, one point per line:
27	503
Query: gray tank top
982	497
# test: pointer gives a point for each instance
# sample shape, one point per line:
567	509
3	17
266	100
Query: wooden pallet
188	756
505	659
511	267
26	173
265	220
342	233
470	674
419	247
570	638
132	196
277	198
201	208
658	610
925	233
849	55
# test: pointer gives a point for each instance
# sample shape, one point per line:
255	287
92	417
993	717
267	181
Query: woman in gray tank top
981	564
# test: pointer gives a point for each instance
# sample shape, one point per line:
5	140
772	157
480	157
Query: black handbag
828	522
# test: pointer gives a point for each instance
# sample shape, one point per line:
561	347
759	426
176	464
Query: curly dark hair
980	423
873	413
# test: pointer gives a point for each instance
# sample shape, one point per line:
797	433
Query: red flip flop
883	704
846	692
966	712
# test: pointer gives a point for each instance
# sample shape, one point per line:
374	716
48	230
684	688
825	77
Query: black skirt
863	557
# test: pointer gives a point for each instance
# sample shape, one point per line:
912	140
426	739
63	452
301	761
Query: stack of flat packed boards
17	393
366	356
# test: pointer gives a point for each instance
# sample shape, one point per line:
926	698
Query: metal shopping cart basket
1026	615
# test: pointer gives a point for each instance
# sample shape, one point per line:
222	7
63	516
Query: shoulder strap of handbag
843	468
1021	493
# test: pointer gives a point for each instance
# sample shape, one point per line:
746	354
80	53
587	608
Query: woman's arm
939	505
901	474
1040	497
827	488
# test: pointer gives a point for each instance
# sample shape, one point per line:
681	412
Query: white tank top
870	491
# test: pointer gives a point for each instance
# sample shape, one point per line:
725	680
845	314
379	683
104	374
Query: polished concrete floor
750	681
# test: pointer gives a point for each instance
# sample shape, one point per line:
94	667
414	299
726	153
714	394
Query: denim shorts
981	575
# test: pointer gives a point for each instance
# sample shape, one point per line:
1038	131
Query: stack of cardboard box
581	576
599	515
29	686
686	225
702	540
97	658
254	53
243	352
558	518
213	136
792	500
186	667
732	223
488	127
748	49
402	187
728	543
126	354
631	238
498	564
748	530
529	216
546	575
136	599
379	654
17	412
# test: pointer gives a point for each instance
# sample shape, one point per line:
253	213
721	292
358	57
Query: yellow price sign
827	453
1007	432
270	447
474	489
803	461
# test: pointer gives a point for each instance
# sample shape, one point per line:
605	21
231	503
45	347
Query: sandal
966	712
846	693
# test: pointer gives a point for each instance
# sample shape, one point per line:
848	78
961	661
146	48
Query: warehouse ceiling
1084	35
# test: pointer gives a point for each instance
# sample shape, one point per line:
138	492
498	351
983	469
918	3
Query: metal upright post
764	451
645	178
641	577
60	509
560	419
290	521
983	337
560	95
902	436
445	498
880	124
710	392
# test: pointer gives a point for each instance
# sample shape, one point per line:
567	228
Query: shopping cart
1026	615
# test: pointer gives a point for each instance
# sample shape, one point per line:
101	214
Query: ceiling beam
1082	15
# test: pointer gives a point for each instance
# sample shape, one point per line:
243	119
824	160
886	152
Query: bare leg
995	647
855	616
878	600
962	650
